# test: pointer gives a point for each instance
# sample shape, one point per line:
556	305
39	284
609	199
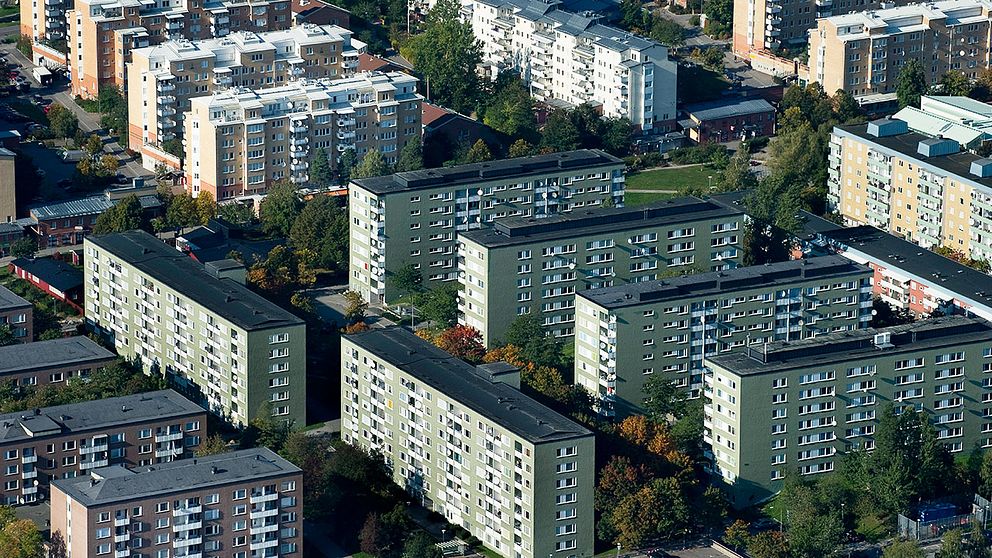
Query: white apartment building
571	59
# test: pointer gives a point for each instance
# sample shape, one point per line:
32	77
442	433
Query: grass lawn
679	178
874	528
9	10
32	111
488	552
697	84
89	105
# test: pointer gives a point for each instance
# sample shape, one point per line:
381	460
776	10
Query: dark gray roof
93	205
503	169
524	230
95	416
117	484
468	386
722	282
855	346
25	357
10	301
225	297
728	108
56	273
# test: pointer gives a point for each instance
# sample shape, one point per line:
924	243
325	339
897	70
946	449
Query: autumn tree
212	445
283	270
356	306
521	148
737	534
769	544
464	342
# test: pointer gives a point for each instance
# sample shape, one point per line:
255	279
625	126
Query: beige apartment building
922	188
241	140
862	53
102	33
164	77
8	194
43	20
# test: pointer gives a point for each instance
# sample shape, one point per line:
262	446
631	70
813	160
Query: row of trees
912	83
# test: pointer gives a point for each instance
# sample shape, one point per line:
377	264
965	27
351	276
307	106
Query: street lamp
444	538
709	182
618	550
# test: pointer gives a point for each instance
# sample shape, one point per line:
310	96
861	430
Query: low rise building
231	350
236	504
728	120
55	361
63	441
524	265
628	333
17	314
56	278
411	218
66	223
469	445
241	140
962	119
10	233
799	406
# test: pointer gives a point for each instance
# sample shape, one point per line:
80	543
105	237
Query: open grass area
697	84
89	105
671	178
488	552
874	529
9	10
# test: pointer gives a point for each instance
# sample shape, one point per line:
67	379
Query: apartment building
55	361
798	406
469	445
573	59
626	334
102	33
8	192
863	52
413	217
17	314
524	265
64	441
164	77
924	189
962	119
231	350
44	20
239	504
242	140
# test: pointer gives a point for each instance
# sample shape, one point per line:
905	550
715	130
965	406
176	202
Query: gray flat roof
856	346
10	301
470	387
95	416
720	282
93	205
525	230
225	297
728	108
115	484
25	357
503	169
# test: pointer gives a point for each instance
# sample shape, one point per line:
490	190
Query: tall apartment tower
241	140
165	77
240	504
525	266
411	218
469	445
797	406
626	334
229	348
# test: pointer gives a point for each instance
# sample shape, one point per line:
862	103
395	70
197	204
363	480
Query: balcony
122	538
222	80
166	99
298	128
187	541
29	459
264	529
346	136
169	452
121	521
170	437
190	510
264	544
346	122
94	464
122	553
264	513
29	490
297	167
165	111
272	497
188	526
166	123
87	450
33	474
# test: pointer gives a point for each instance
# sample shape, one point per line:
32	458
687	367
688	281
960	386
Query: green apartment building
526	265
413	217
466	443
225	346
627	333
798	406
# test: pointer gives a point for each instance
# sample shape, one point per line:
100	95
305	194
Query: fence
935	529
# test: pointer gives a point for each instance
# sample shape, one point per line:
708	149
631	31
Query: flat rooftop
526	230
96	415
224	297
55	353
468	385
10	301
765	277
855	346
503	169
117	484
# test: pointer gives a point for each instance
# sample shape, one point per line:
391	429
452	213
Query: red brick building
55	361
728	120
17	314
57	278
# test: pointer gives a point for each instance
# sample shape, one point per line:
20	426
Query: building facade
55	361
470	445
17	314
8	193
239	504
102	33
412	218
962	119
164	77
798	406
230	349
572	58
728	120
863	52
64	441
66	223
56	278
525	266
626	334
924	189
241	140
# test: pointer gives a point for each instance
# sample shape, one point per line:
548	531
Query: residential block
962	119
231	350
523	265
413	217
241	140
17	314
628	333
55	361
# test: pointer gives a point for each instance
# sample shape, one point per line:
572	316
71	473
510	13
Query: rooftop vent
982	168
886	127
883	340
938	146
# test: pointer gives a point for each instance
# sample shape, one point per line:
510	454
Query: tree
440	305
408	279
985	475
846	107
346	163
62	121
768	544
125	216
24	248
322	226
737	175
180	211
7	337
952	545
109	164
411	156
237	213
479	153
264	430
884	315
280	208
93	145
955	83
521	148
372	164
206	207
464	342
510	108
21	539
911	83
737	534
283	270
320	168
421	545
559	133
668	32
662	398
978	543
536	345
212	445
615	134
903	549
356	308
174	147
371	539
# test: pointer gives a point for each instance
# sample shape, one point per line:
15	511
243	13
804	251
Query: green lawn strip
671	178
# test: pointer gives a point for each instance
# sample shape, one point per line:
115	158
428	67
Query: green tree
985	475
346	163
7	336
719	10
265	430
588	124
769	544
174	147
479	153
320	168
280	208
420	545
356	307
737	175
126	215
212	445
668	32
956	83
24	248
911	83
93	145
559	133
615	135
521	148
815	527
903	549
978	542
535	343
952	545
62	121
440	306
372	164
411	156
884	315
181	212
322	226
662	398
408	279
846	107
237	213
510	108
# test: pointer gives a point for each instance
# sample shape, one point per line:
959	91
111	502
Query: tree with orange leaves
465	342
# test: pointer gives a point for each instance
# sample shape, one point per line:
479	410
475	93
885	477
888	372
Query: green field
680	178
697	84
